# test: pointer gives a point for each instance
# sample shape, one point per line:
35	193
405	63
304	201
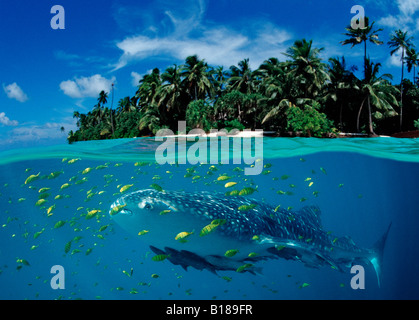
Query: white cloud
84	87
217	44
5	121
404	18
408	7
13	91
39	133
136	77
396	59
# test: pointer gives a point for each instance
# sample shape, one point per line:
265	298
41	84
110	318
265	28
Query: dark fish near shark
215	225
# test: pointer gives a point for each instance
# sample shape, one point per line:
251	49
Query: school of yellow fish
53	192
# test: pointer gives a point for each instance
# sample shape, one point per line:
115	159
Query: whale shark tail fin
377	258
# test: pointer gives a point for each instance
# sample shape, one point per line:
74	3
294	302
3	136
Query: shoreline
247	133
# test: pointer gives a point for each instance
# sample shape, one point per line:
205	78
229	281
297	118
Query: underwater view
104	220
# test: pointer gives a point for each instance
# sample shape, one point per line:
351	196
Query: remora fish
279	233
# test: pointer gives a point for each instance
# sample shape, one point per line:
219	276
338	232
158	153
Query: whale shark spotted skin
257	232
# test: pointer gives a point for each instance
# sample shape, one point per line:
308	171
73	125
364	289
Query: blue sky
48	74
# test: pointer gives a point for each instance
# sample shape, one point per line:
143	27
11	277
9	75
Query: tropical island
302	95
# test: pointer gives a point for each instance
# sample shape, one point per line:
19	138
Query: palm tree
148	87
306	68
218	78
242	78
412	60
378	92
195	78
171	98
103	98
358	36
342	80
400	40
150	119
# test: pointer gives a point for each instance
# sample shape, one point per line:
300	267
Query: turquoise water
361	185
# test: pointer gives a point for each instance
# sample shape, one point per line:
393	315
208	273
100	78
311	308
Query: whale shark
214	232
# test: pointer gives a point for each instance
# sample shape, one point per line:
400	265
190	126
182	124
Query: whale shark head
140	210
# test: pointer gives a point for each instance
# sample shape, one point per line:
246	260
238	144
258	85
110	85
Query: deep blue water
359	195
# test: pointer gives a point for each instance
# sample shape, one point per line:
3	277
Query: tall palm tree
400	40
377	92
306	68
412	61
195	78
359	36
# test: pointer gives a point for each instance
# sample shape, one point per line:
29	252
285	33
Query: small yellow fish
244	267
55	174
125	188
32	178
155	186
67	246
311	183
246	207
247	191
207	229
86	171
92	213
65	186
163	212
40	202
49	210
143	232
59	224
231	253
183	235
42	190
159	257
155	276
218	222
117	209
223	178
73	161
230	184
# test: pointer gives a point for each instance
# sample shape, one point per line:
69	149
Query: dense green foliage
301	94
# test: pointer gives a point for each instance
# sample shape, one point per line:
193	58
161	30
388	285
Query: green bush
308	120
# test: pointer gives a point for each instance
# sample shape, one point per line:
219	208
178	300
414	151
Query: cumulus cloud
5	121
84	87
13	91
404	18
